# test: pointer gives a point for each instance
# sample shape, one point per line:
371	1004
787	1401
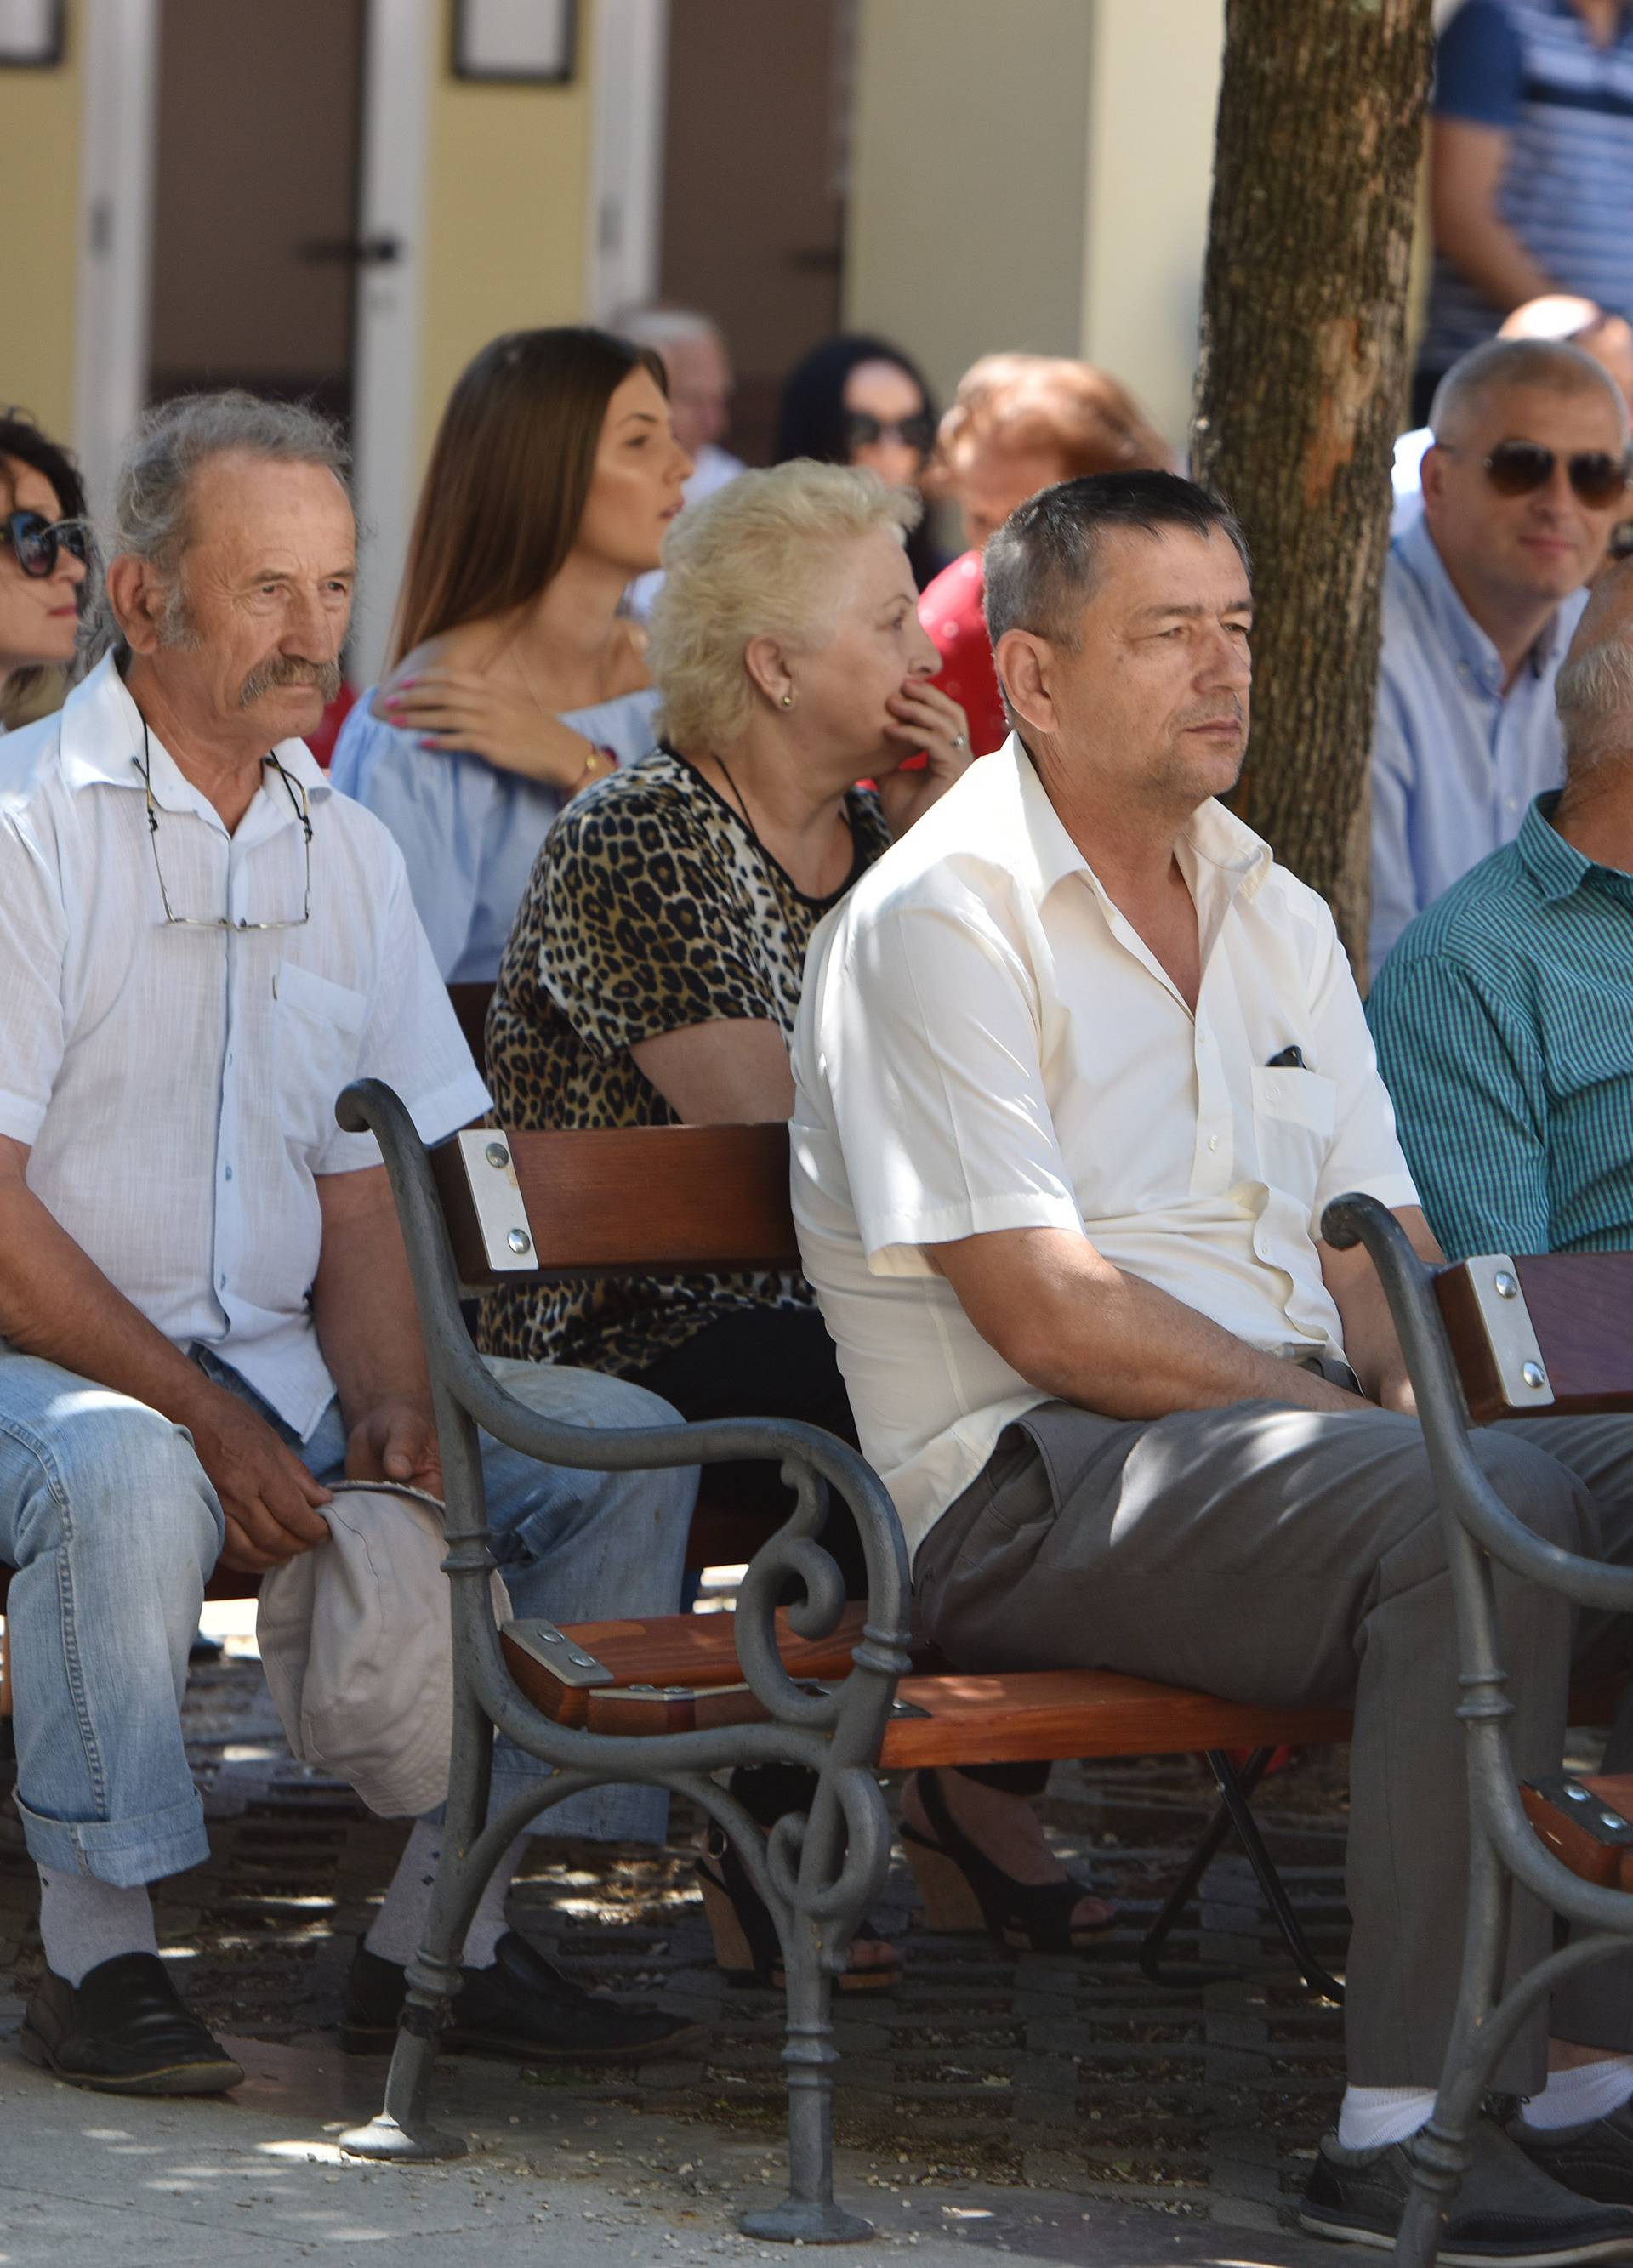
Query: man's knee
1536	1488
582	1397
114	1474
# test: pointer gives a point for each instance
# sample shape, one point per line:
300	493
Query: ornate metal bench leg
808	2214
403	2129
1441	2151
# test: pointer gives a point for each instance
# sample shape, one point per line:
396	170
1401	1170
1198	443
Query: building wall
507	198
38	243
1036	175
1152	100
967	177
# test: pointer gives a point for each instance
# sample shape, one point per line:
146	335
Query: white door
399	58
123	228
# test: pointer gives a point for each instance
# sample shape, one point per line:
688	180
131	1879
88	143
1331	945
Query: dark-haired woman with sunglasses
43	552
858	400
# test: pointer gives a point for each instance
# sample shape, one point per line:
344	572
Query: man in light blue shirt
1526	478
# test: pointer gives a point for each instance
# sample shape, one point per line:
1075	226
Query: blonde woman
653	974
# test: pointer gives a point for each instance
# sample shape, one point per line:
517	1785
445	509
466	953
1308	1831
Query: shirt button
1272	1093
1213	1141
1510	803
229	1172
229	1058
221	1282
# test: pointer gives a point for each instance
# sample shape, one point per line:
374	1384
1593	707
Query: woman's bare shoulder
469	647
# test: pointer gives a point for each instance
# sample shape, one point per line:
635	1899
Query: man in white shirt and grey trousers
1077	1068
206	1313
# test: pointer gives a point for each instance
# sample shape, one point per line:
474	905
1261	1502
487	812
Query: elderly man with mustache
205	1316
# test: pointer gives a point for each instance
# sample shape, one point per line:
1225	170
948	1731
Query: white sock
1575	2098
1371	2118
399	1927
83	1923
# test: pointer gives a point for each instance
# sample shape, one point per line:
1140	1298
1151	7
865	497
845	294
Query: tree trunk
1300	391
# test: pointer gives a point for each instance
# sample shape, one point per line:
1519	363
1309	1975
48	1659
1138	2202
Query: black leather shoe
124	2031
522	2006
1507	2210
1595	2160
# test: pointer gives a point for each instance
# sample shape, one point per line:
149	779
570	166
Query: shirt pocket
1293	1115
317	1032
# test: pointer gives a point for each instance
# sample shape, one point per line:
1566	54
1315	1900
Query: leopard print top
650	908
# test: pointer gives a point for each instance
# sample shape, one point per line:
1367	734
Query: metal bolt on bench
817	1874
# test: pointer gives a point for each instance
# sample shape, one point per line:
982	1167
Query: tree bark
1300	391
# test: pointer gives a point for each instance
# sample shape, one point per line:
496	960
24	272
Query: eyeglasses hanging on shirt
297	795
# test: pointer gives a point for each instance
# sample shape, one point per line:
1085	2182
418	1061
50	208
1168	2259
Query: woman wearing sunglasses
43	554
858	400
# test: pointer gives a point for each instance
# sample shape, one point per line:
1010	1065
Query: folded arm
1467	162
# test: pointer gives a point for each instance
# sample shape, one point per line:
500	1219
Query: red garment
950	612
321	742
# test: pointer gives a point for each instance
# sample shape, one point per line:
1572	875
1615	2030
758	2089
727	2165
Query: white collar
1043	853
100	741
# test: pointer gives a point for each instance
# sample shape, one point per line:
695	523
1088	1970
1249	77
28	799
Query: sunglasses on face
1514	468
863	430
37	541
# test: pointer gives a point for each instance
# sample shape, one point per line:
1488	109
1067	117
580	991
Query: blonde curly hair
755	560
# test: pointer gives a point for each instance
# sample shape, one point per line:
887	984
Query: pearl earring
787	700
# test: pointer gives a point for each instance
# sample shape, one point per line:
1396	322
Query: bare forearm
56	1304
1372	1344
1494	261
1078	1327
364	1308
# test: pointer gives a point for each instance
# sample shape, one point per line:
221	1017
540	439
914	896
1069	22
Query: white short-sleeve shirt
985	1043
176	1086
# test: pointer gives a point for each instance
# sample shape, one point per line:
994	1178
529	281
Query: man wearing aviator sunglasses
1526	478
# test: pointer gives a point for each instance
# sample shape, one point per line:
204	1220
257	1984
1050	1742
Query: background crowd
649	716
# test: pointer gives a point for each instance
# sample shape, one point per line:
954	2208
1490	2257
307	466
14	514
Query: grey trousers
1287	1556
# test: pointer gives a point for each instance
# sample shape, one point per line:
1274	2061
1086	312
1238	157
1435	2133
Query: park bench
844	1689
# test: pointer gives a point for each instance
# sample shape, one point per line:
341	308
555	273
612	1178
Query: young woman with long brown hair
515	680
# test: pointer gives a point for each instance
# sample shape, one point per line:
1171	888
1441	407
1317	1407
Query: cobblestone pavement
1023	2074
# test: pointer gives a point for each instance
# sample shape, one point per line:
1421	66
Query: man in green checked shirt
1503	1018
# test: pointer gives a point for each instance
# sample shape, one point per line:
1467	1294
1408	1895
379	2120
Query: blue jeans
113	1528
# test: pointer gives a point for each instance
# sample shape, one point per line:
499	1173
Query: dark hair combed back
21	439
810	416
1041	566
24	444
509	473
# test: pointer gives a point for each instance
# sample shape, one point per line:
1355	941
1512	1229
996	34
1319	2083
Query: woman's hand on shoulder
924	720
453	709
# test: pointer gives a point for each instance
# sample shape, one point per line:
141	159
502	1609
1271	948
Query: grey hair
1552	364
756	559
1593	694
168	448
658	327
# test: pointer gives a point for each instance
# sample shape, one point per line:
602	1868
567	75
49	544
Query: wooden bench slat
1572	1310
632	1201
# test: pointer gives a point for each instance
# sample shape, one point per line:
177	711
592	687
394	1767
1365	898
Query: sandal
746	1944
962	1889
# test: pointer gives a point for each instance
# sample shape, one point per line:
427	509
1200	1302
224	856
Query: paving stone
1030	2072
